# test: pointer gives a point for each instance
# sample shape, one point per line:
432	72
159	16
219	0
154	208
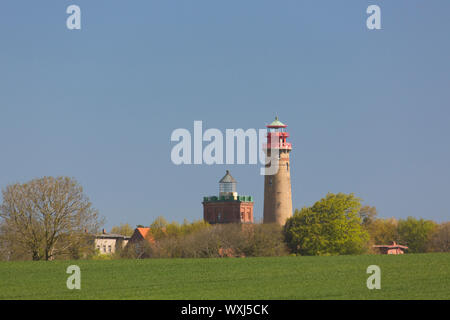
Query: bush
332	226
416	233
230	240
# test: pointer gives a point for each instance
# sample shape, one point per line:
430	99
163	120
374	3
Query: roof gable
142	234
143	231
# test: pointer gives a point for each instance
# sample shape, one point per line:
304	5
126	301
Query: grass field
409	276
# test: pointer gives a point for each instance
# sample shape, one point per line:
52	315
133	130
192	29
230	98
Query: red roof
141	234
394	245
143	231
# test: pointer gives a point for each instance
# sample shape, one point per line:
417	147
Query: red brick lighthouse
228	207
277	186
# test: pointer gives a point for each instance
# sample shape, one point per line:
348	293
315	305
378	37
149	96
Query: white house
108	243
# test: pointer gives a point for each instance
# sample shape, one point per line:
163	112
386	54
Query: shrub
331	226
230	240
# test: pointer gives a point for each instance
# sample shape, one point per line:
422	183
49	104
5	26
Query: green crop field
409	276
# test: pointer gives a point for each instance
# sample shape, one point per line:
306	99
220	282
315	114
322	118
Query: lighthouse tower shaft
277	187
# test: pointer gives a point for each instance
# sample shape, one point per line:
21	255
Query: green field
409	276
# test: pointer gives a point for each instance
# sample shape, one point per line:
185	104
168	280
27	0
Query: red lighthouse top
276	124
276	137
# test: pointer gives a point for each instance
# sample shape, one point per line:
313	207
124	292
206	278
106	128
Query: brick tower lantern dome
227	185
229	206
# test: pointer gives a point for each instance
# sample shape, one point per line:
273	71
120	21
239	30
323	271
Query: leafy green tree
173	229
161	228
331	226
124	229
192	227
158	228
416	233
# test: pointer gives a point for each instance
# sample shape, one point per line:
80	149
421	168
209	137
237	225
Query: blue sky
368	111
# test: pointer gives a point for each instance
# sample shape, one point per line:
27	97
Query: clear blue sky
368	111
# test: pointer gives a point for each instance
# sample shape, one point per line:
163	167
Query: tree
416	233
9	248
124	229
384	231
48	217
368	215
158	228
440	240
262	240
331	226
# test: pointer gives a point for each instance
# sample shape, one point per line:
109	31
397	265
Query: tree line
202	240
51	218
339	224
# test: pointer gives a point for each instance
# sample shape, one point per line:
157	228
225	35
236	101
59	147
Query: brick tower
229	207
277	187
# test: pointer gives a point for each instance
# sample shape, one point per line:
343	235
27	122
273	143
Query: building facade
109	243
228	207
277	187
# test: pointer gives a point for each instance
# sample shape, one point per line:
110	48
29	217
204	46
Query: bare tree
48	216
10	248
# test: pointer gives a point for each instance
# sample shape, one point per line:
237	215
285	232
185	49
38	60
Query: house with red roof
393	248
141	234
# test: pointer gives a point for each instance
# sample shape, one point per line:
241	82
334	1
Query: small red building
228	207
393	248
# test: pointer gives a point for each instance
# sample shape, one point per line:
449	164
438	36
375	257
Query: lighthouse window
287	166
270	181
